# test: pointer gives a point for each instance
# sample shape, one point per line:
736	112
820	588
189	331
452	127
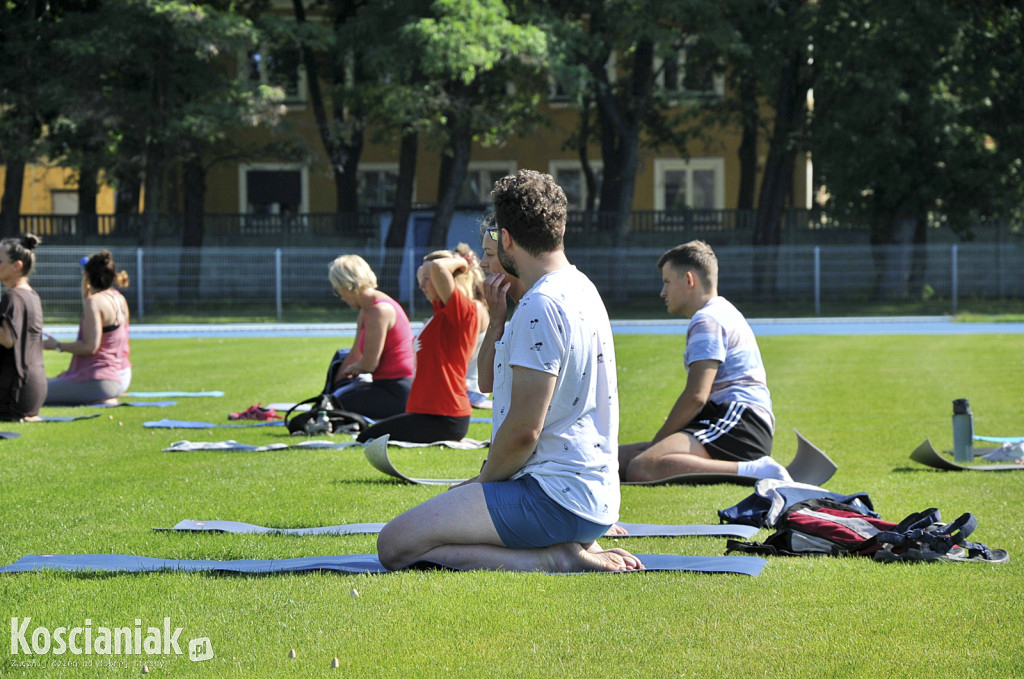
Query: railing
647	228
290	284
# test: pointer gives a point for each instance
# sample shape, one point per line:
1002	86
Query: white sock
763	468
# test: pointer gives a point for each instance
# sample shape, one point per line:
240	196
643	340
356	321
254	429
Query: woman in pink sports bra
100	370
383	348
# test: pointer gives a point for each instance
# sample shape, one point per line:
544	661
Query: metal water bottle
963	431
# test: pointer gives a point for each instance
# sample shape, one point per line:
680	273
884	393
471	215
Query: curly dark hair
532	207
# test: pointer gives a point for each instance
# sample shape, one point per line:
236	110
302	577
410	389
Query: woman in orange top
438	407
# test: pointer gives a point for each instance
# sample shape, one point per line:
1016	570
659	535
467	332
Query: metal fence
290	284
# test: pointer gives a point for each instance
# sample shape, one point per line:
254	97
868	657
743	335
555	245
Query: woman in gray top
22	374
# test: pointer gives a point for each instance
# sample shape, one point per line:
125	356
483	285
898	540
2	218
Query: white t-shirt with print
718	331
561	327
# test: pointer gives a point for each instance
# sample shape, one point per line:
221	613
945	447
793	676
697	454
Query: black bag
338	419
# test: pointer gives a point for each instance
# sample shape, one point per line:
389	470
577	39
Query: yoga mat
376	452
810	466
135	404
186	424
9	435
927	455
999	439
343	563
174	394
235	446
68	418
189	525
635	530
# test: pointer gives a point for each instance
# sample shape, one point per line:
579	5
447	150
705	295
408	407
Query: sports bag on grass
824	527
325	416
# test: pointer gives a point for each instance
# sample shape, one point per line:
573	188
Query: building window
698	184
480	179
691	70
377	185
569	175
278	67
273	190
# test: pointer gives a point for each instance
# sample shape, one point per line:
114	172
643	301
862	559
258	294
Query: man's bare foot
32	418
616	529
112	401
573	557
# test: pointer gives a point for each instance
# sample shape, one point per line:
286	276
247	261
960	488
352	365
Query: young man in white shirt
550	485
722	422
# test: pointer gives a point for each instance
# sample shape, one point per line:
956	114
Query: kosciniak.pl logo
88	640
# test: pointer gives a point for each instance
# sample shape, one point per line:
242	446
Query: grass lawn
101	485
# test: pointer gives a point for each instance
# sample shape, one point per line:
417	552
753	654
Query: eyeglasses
492	231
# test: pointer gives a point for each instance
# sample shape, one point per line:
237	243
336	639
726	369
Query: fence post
956	276
277	282
817	280
140	306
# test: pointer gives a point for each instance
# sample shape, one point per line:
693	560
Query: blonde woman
383	345
22	373
438	407
100	370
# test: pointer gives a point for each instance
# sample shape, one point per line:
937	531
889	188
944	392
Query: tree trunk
403	191
777	182
10	204
454	167
750	123
88	187
893	254
194	202
153	193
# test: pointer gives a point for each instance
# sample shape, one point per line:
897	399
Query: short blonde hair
351	272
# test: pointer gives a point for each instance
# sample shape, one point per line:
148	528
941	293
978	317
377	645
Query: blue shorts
525	517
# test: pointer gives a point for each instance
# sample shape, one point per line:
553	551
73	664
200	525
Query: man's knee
391	548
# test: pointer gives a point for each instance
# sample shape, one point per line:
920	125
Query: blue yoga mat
344	563
999	439
137	404
187	424
174	394
636	530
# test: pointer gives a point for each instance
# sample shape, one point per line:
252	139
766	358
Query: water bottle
321	424
963	431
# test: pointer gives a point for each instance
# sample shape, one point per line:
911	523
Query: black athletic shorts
731	431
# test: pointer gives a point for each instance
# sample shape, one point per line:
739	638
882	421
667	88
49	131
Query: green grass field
101	485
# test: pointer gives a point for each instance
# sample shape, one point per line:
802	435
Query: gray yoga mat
634	530
927	455
343	563
810	466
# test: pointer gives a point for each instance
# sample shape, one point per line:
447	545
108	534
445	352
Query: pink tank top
111	357
396	359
